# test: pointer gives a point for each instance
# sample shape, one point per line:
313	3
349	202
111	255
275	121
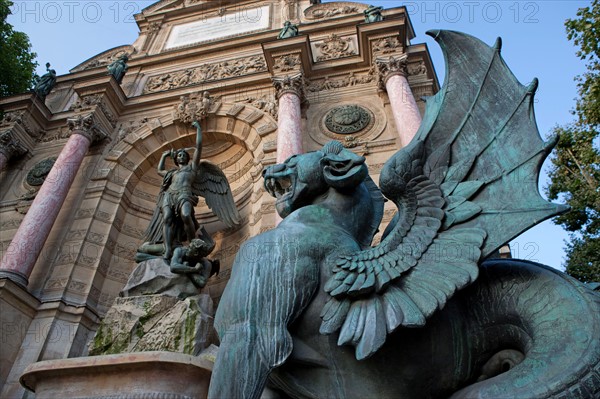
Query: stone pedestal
123	376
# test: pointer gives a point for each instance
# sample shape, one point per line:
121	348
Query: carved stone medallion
347	119
37	174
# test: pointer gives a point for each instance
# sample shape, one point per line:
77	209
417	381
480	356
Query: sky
67	33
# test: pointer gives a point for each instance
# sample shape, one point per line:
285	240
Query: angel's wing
464	186
211	184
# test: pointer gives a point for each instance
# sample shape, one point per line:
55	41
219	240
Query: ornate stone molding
386	45
391	66
86	126
287	63
334	9
206	73
351	79
334	47
195	107
89	102
417	69
294	84
11	146
12	118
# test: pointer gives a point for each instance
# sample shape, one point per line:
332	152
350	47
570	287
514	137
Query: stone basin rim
138	359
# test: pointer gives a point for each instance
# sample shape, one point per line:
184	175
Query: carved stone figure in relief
313	310
174	220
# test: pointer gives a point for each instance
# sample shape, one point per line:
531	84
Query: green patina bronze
118	68
313	310
288	30
45	83
373	14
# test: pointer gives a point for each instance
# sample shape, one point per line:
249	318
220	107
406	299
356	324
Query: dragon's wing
464	186
211	184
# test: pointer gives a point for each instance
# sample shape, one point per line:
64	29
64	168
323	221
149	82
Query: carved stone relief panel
333	10
206	73
334	47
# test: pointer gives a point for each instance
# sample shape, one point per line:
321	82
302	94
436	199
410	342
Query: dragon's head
302	179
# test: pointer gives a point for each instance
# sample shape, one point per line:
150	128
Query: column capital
294	84
11	146
391	66
86	126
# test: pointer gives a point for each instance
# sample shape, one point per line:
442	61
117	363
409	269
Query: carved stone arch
234	138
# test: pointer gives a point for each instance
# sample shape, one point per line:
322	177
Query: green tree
575	172
17	62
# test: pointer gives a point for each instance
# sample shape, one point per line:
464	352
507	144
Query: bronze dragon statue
314	311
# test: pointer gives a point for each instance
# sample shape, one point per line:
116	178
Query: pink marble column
26	245
289	135
404	107
289	131
10	147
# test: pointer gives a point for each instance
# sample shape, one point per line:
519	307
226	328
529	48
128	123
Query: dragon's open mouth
278	187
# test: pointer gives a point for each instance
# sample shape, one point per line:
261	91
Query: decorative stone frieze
351	79
195	107
333	9
206	73
10	146
334	47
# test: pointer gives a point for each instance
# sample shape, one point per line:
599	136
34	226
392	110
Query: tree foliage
17	62
575	172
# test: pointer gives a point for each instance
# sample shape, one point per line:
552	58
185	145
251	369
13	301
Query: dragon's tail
521	310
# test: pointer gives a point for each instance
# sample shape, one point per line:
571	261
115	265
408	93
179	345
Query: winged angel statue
174	220
317	312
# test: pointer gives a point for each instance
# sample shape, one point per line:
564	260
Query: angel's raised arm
198	152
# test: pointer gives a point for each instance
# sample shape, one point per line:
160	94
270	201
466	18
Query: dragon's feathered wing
464	186
212	185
